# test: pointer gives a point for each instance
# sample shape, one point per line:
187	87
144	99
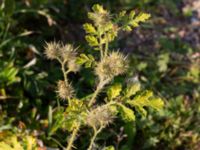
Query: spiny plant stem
64	72
96	132
98	89
71	140
92	141
106	46
100	86
100	47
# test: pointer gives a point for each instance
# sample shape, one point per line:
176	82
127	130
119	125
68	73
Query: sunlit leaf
126	113
114	91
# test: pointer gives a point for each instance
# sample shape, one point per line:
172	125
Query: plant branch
97	91
106	46
57	142
73	136
64	72
96	132
100	86
100	46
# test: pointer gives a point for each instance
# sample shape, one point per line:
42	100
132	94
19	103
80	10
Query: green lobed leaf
142	17
57	122
142	99
156	103
146	99
132	14
114	91
141	110
75	114
132	89
81	59
126	113
131	21
92	40
89	28
88	60
98	8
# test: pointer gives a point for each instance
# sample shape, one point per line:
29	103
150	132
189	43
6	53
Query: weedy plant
176	126
97	110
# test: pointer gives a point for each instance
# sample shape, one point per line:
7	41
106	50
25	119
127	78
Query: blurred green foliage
27	80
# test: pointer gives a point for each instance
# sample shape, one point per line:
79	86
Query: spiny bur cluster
112	65
52	50
118	99
65	90
65	54
100	117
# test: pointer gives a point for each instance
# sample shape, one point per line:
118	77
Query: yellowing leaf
142	17
92	40
88	60
130	20
132	14
114	91
111	36
126	113
141	99
141	110
132	89
107	27
89	28
98	8
146	99
75	114
81	59
156	103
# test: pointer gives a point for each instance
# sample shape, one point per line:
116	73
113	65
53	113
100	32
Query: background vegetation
164	52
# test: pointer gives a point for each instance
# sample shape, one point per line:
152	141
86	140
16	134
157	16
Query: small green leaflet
89	28
132	89
114	91
146	99
86	60
126	113
92	40
109	148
